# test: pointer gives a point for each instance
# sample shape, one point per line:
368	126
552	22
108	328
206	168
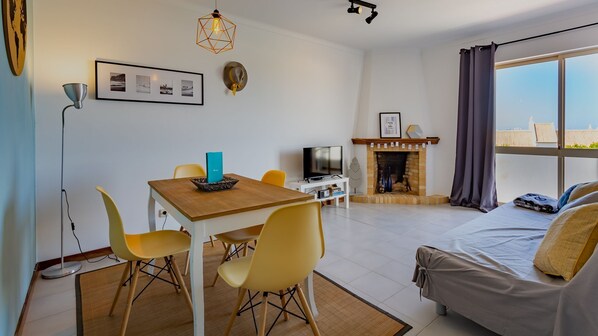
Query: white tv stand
314	186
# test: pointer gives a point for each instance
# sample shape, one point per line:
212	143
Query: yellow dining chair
240	238
291	243
141	247
189	170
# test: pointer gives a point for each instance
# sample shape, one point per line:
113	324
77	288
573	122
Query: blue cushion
565	197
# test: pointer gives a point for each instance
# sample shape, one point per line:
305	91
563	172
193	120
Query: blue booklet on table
214	166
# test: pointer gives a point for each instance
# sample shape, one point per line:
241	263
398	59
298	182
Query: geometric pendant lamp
215	32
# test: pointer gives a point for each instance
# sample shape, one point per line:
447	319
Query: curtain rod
547	34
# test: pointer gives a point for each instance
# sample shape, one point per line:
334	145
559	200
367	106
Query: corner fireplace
396	171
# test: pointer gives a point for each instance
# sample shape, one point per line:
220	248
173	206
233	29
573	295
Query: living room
310	83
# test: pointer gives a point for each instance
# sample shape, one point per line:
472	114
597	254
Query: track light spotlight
353	9
360	4
372	16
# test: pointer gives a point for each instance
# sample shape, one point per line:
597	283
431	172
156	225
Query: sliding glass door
546	124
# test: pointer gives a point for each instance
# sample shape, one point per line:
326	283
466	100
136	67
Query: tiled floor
370	251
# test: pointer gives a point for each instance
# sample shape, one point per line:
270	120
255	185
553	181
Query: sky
532	91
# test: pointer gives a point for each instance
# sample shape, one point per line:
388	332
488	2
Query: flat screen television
319	162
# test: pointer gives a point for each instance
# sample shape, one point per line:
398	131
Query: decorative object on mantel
390	124
14	18
414	132
76	93
372	141
354	175
234	76
215	32
136	83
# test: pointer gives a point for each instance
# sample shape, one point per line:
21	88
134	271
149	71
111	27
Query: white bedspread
505	240
484	270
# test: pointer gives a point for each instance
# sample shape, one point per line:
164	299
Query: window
581	102
535	101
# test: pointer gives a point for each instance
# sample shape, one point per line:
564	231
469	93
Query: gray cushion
587	199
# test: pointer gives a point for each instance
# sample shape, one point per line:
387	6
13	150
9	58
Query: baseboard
42	265
21	322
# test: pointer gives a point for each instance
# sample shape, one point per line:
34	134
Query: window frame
561	152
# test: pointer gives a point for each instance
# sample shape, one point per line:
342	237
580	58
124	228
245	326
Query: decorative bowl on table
224	184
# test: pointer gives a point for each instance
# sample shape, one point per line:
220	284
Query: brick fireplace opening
396	170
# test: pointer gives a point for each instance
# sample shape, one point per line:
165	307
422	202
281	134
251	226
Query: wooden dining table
205	214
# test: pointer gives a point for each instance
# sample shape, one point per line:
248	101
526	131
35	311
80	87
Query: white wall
441	66
301	92
393	82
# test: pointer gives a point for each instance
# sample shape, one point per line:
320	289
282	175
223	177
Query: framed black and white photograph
390	124
136	83
143	84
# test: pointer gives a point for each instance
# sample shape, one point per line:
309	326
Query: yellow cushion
569	242
582	190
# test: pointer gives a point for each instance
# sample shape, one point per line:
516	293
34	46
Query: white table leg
151	212
197	294
151	218
308	289
347	195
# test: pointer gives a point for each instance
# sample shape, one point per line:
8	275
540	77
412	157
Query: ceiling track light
360	4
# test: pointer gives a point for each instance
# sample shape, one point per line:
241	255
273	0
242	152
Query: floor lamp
76	92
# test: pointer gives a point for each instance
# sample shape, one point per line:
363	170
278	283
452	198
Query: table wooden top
248	194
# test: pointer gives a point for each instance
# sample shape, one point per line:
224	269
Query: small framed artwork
129	82
390	125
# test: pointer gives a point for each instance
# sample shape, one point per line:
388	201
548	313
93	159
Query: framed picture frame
390	125
136	83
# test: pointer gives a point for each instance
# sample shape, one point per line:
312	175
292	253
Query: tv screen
322	161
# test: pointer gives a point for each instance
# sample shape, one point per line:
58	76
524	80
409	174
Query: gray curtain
474	183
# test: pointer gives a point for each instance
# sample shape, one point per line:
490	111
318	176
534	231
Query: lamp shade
76	92
215	32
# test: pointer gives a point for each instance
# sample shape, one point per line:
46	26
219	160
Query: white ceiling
400	22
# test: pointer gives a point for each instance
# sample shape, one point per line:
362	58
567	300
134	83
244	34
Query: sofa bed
484	270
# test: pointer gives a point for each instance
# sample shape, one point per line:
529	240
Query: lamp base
60	271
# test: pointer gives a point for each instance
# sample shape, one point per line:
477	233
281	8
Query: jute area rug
160	311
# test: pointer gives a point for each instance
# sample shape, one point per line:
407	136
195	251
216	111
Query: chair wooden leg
262	330
120	286
245	249
283	302
123	326
172	277
212	241
181	281
228	248
310	317
231	321
187	262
